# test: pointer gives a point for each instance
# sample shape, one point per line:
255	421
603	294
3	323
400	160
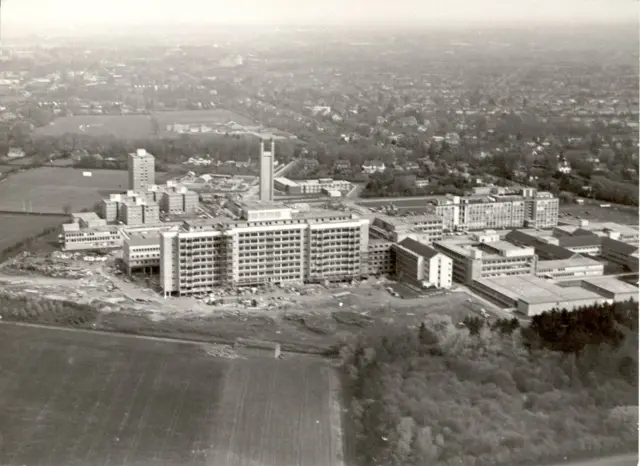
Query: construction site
311	315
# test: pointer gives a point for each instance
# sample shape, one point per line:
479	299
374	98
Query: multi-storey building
428	228
493	208
111	208
139	211
382	258
142	167
89	232
486	256
542	209
421	265
269	244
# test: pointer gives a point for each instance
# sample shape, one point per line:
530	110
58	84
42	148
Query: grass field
216	116
16	227
49	189
595	213
80	398
121	126
137	126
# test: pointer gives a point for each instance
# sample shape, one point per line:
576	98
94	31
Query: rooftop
611	284
534	290
578	261
419	248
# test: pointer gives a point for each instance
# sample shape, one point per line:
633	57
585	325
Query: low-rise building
620	253
375	166
382	258
141	251
569	268
611	288
88	232
311	186
486	256
531	295
421	265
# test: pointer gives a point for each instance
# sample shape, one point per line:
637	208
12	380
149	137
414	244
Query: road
621	460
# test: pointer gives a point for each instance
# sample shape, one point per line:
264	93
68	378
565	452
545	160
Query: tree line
495	394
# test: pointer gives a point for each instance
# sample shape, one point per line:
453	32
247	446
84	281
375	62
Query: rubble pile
54	265
222	351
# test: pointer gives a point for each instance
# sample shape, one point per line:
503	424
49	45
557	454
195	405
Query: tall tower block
141	170
266	171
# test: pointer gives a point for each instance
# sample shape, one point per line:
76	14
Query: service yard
80	398
50	189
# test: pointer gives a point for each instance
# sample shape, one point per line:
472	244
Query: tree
66	209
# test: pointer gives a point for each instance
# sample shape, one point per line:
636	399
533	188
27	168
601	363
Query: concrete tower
266	171
142	173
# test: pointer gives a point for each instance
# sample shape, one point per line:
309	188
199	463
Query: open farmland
16	227
49	189
79	398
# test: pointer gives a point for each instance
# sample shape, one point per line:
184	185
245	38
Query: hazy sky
61	13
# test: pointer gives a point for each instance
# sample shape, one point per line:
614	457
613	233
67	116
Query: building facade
569	268
422	266
139	211
486	256
271	244
89	232
382	258
142	166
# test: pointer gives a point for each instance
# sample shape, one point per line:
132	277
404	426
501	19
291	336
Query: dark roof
551	251
619	246
521	238
581	240
419	248
581	232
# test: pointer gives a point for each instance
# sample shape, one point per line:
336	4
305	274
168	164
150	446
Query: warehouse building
531	295
269	244
486	256
611	288
422	266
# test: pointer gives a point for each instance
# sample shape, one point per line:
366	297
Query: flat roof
86	216
534	290
151	238
285	181
572	262
611	284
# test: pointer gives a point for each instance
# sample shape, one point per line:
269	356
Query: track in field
75	398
